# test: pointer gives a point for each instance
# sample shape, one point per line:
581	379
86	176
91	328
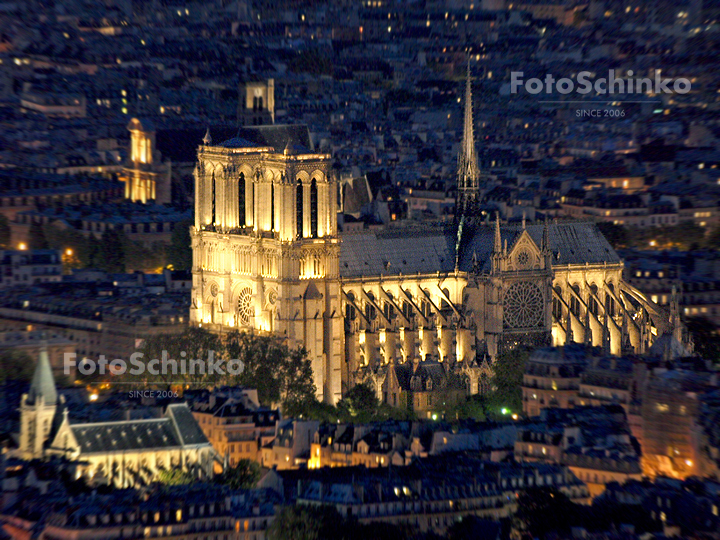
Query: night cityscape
350	269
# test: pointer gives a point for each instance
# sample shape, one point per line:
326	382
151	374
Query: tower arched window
213	199
241	200
272	207
313	209
299	209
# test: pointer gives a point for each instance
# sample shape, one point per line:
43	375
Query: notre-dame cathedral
268	256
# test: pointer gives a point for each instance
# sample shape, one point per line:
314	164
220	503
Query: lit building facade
146	177
122	454
265	244
268	257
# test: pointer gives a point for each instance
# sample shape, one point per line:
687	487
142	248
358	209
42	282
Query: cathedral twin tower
265	243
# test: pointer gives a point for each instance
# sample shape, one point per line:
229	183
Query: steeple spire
43	383
468	170
497	244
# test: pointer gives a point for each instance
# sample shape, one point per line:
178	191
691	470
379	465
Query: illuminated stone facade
146	177
268	257
265	244
121	454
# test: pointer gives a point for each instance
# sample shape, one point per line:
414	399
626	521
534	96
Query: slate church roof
180	145
410	251
177	429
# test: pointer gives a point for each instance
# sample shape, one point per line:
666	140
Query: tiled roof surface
411	251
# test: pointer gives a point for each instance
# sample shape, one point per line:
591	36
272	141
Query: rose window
523	305
245	306
522	259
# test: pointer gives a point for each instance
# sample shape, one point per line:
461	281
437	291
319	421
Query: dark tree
244	475
111	253
705	338
544	510
617	235
196	343
509	368
16	366
179	251
36	236
91	254
302	522
175	477
4	232
281	376
360	404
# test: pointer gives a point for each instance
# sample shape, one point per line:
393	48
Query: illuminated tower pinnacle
468	170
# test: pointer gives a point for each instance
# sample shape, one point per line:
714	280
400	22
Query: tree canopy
179	252
16	366
282	377
4	232
244	475
304	522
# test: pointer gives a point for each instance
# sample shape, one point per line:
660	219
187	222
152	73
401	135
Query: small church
122	454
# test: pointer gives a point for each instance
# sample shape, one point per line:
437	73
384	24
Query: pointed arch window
299	209
313	209
213	199
272	207
241	200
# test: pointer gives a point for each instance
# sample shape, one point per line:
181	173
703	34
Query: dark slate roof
411	251
131	435
396	251
181	145
237	142
188	430
177	429
429	369
43	383
279	136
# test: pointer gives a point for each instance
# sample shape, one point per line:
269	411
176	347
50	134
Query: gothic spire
497	244
43	383
468	170
207	139
675	325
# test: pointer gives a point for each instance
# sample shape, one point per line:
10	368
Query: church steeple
42	387
497	253
468	174
497	244
37	409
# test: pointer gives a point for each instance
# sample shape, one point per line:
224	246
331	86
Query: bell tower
265	244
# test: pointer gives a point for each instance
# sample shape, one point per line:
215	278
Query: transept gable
524	253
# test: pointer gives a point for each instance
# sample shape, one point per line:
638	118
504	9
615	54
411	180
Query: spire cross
468	170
